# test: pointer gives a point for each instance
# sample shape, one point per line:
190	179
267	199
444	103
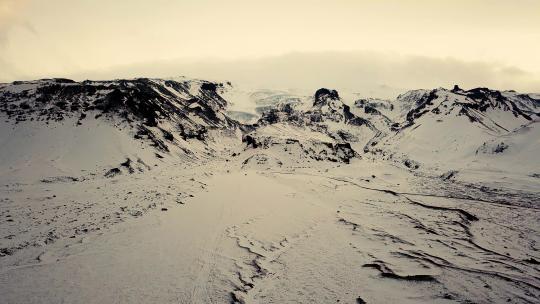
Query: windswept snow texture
190	191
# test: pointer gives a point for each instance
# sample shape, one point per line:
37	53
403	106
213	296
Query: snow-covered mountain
449	129
145	121
70	126
120	120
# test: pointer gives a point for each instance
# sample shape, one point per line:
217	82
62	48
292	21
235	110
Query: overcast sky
301	43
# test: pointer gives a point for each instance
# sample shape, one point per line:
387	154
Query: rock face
451	128
374	106
319	129
161	111
149	100
325	97
303	147
326	107
475	104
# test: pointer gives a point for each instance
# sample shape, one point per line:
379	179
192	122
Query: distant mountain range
128	125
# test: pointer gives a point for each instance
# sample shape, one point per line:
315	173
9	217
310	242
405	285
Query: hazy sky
399	44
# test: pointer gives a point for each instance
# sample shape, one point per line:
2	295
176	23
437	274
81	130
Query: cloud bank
372	73
358	45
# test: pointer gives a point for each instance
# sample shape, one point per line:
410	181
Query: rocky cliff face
479	105
323	127
161	111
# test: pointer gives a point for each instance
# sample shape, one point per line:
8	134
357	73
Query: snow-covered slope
62	127
444	129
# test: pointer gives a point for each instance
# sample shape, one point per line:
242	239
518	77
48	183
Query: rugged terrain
190	191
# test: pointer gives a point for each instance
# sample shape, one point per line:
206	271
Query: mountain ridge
169	113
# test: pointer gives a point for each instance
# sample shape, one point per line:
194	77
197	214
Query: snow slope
303	235
62	128
446	129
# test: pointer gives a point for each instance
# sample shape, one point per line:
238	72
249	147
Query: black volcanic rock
485	98
145	99
209	86
425	101
475	104
157	109
327	106
315	150
323	96
456	88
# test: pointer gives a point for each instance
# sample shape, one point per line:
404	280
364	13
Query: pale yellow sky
98	38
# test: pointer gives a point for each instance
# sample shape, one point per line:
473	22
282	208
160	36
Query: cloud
34	42
374	73
9	13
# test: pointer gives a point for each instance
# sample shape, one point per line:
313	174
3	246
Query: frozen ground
145	191
328	234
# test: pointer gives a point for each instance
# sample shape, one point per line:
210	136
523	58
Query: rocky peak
480	105
325	96
482	99
456	89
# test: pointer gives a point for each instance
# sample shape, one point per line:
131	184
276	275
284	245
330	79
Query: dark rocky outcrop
473	104
158	110
323	96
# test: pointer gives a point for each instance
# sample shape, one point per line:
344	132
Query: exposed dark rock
386	272
371	110
262	160
6	251
411	164
420	109
373	104
490	149
359	300
250	141
456	88
168	135
113	172
449	175
320	151
142	103
322	96
127	165
484	98
209	86
500	148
